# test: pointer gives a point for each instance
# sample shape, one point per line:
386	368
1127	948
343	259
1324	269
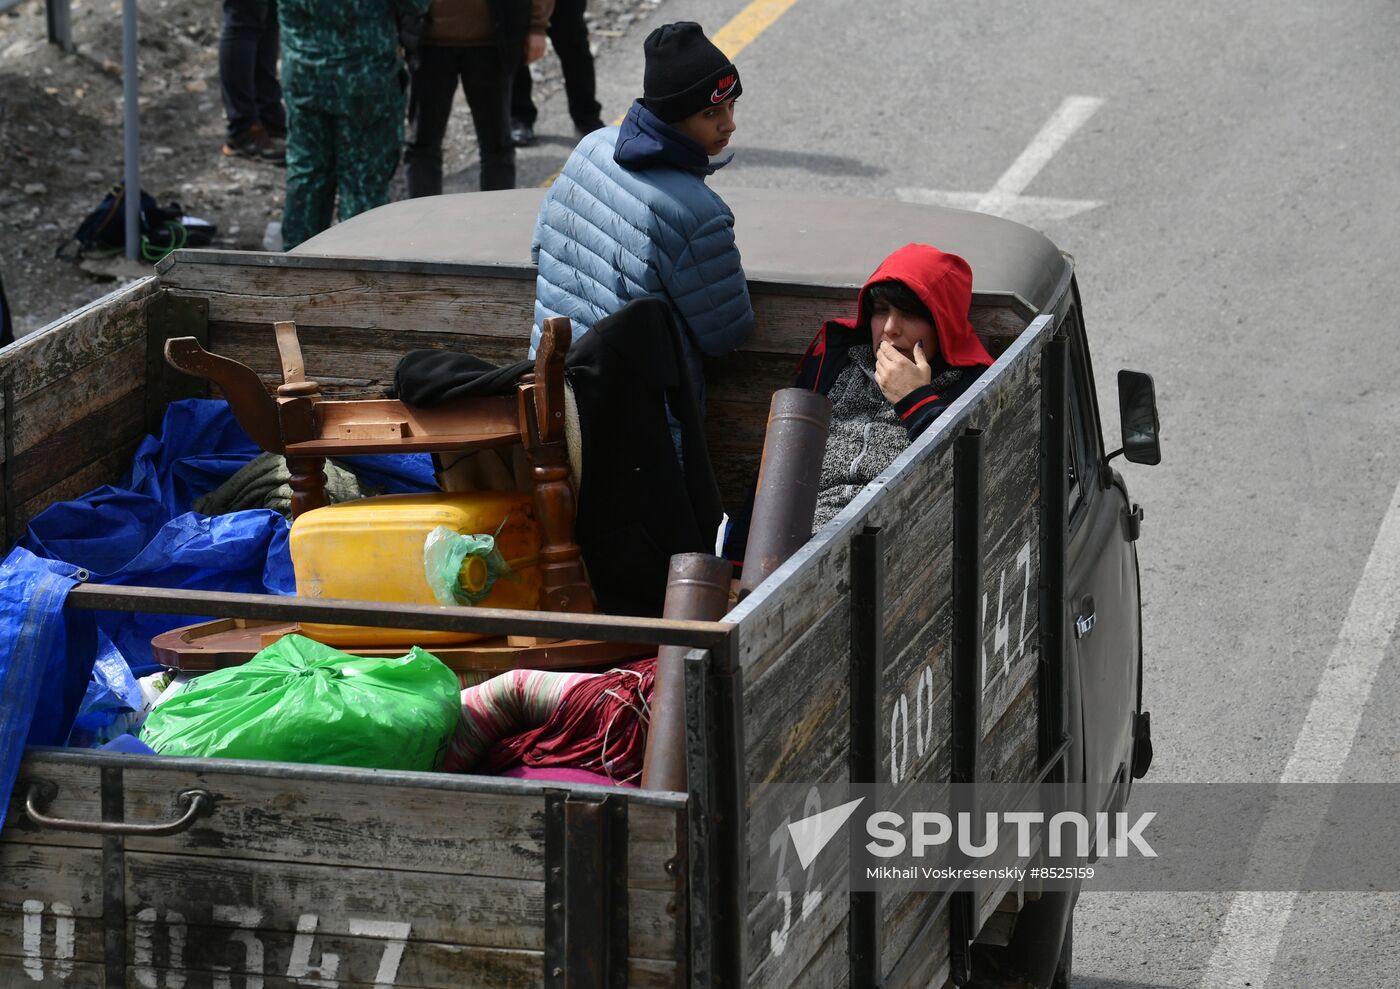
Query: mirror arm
1115	453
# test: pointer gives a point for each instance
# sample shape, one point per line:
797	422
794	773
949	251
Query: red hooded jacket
943	282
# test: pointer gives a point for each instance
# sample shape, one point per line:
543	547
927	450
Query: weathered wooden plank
480	910
50	874
1011	625
62	939
1010	748
86	391
159	949
85	336
51	974
458	968
462	833
931	956
66	451
830	967
790	911
367	299
77	796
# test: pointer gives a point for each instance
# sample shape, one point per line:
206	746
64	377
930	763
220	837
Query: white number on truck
143	950
33	940
1000	629
778	843
245	921
912	719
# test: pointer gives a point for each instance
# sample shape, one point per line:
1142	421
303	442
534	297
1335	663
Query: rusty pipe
697	588
786	498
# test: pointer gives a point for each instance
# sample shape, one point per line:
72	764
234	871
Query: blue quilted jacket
630	216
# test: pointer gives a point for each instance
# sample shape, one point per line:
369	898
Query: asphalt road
1231	193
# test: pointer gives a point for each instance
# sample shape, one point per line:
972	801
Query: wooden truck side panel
364	878
74	403
795	653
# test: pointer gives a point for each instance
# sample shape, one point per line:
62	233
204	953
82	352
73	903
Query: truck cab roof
788	238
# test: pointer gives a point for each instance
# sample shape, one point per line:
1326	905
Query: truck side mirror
1137	412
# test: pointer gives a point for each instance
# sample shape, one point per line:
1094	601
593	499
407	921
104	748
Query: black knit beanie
685	72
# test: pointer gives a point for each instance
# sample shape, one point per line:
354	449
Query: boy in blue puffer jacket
630	215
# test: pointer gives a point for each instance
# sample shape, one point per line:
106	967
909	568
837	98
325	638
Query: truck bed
370	878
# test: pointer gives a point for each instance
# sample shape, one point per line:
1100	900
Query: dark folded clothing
636	506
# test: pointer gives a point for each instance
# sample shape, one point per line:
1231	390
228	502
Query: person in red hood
890	372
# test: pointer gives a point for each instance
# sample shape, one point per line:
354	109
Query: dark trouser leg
266	86
245	24
568	32
486	75
522	106
368	154
311	170
434	84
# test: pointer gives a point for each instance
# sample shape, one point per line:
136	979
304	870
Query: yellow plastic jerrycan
372	550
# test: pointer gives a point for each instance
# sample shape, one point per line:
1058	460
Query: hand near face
896	374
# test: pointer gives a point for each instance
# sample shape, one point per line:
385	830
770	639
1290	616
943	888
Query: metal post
786	499
59	15
863	945
968	470
696	588
131	137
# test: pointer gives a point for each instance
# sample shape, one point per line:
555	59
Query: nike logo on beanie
723	88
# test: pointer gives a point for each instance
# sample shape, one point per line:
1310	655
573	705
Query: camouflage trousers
330	154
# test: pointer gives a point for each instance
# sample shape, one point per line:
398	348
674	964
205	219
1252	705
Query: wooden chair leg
561	559
308	483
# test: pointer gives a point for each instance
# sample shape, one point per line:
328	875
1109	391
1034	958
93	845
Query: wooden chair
306	429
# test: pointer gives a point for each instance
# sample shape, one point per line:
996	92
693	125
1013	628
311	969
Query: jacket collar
647	141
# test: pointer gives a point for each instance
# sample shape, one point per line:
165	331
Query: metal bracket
586	933
172	316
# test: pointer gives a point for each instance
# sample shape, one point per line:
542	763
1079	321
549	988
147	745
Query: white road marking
1249	939
1004	198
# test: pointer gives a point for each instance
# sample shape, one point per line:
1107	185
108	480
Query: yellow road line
748	24
731	39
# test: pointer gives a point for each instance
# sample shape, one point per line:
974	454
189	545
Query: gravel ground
61	138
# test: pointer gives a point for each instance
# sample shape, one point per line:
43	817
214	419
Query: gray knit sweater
866	433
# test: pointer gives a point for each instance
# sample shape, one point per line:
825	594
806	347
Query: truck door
1101	589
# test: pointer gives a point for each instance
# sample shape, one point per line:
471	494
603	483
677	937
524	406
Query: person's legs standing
268	90
568	32
311	170
368	146
486	75
522	107
245	24
431	91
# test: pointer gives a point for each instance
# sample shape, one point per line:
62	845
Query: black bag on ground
163	228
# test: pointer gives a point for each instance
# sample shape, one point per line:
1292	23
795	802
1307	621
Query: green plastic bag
301	701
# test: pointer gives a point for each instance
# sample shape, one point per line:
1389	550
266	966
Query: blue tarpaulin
141	532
